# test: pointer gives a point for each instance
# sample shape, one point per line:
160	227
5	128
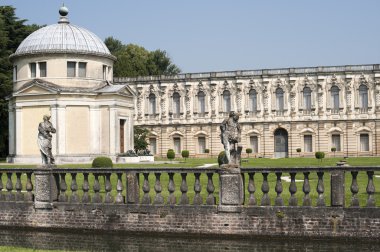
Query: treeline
132	60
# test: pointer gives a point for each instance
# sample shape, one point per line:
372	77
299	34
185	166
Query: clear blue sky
217	35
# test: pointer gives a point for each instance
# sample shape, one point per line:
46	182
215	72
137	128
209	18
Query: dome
62	38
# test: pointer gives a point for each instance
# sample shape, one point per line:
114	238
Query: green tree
134	60
140	136
12	32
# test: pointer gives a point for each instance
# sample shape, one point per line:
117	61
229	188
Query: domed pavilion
66	71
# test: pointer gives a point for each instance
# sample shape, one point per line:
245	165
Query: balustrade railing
308	187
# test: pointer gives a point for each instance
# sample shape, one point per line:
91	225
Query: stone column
18	130
95	129
61	130
133	188
54	121
12	131
113	131
46	189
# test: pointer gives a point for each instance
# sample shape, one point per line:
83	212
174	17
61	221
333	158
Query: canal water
89	241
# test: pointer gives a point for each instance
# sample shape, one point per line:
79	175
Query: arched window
279	99
176	104
307	98
227	101
253	100
152	104
201	102
335	98
363	96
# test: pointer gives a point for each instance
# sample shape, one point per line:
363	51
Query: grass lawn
252	162
20	249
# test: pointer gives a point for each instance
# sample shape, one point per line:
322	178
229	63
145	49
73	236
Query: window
176	104
226	101
279	99
307	98
335	140
71	66
15	73
253	100
177	145
335	98
363	96
254	144
308	143
33	70
201	102
152	104
104	72
82	69
42	67
201	144
364	142
153	145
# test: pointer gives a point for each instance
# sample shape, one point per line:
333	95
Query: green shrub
207	150
185	154
222	158
248	151
102	162
298	150
170	154
333	149
320	155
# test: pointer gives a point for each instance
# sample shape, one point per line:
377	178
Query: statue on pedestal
45	129
230	136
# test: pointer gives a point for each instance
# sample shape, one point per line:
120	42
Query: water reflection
89	241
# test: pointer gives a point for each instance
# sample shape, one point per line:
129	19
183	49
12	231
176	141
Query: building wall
77	130
321	119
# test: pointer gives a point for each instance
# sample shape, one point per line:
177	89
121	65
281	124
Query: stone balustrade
172	186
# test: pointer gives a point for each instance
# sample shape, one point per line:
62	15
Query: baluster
146	188
210	189
9	186
74	198
251	189
1	187
184	198
18	187
320	190
370	190
108	187
278	201
29	187
198	200
158	199
265	200
97	197
306	190
293	201
171	188
86	187
354	189
119	188
63	187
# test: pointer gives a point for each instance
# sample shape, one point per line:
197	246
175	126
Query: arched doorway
280	143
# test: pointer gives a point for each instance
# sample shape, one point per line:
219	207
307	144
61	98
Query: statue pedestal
231	185
46	189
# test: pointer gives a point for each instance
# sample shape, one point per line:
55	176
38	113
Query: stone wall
314	222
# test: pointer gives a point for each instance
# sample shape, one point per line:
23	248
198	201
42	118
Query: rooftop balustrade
308	187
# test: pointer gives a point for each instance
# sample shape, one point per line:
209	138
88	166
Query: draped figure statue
45	129
230	136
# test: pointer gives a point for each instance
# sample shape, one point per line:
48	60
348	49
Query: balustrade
187	186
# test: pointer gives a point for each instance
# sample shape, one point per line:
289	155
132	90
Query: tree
134	60
299	151
248	151
12	32
139	136
185	154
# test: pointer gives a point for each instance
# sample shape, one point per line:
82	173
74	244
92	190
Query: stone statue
230	136
45	129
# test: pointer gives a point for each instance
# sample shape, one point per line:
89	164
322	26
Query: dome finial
63	11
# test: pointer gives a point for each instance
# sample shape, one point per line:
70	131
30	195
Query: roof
63	37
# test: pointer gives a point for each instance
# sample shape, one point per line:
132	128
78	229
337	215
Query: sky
222	35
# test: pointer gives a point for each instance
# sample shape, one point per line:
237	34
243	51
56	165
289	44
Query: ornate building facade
314	109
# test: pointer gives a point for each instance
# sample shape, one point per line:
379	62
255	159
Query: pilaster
61	129
18	150
113	130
